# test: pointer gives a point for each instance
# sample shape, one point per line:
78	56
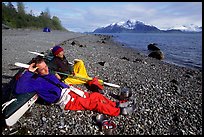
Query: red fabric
95	102
95	82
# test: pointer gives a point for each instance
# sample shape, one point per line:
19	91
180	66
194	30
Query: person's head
58	51
42	66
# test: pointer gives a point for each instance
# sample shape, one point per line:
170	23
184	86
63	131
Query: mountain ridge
135	26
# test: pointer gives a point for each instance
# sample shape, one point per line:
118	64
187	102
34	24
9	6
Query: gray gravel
168	98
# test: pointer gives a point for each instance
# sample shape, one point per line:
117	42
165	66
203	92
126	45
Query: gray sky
87	16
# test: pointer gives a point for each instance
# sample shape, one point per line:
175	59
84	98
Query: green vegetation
17	18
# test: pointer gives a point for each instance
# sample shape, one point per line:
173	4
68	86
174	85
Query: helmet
100	118
125	93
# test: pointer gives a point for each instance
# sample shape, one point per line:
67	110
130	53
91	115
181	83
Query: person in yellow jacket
77	71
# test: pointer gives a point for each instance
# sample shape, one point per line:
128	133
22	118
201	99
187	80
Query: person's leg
76	102
94	101
79	69
80	73
104	105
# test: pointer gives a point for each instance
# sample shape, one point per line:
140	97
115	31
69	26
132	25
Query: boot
126	110
122	105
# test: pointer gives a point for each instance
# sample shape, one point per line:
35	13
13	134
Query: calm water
183	49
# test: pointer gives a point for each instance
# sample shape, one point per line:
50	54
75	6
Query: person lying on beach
60	63
37	78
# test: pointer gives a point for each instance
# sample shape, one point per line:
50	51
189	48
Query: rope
8	103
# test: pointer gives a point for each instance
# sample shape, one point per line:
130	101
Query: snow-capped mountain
130	24
188	28
134	26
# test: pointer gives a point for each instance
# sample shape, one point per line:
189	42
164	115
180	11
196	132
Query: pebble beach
168	98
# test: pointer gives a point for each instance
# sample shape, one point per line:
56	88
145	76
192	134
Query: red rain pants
94	101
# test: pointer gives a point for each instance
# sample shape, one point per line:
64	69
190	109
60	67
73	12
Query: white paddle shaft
36	53
22	65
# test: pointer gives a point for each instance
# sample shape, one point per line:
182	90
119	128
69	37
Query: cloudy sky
87	16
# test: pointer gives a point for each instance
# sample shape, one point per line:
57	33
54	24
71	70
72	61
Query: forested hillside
18	18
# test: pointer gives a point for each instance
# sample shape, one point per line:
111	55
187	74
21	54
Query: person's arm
70	68
58	76
54	73
26	83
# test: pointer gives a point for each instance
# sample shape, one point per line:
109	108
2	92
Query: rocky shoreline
168	98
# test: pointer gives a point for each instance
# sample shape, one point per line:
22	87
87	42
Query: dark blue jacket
30	82
61	65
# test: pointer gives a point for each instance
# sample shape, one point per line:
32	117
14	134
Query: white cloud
161	16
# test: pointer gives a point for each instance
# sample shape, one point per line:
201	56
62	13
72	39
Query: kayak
15	105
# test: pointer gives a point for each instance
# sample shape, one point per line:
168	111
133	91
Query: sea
182	49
